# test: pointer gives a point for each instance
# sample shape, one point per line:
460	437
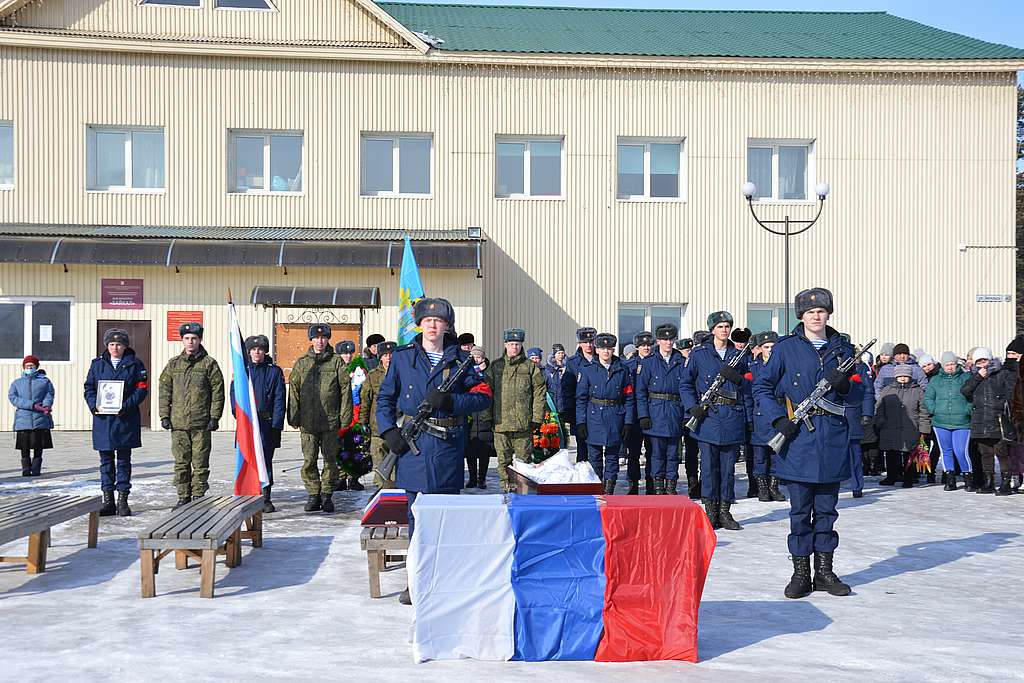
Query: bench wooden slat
187	510
183	520
201	528
61	509
33	504
247	507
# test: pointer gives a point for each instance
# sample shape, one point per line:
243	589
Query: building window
396	165
781	169
650	169
529	168
244	4
263	162
123	159
634	318
38	327
174	3
764	317
6	155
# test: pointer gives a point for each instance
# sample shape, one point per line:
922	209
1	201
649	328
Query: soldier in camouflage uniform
519	389
191	403
368	410
319	403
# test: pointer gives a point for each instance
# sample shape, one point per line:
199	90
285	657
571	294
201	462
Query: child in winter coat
900	420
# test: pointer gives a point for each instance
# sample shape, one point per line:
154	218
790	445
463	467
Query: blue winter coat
655	375
124	430
763	430
794	369
553	378
439	466
269	388
723	425
573	366
26	391
860	401
604	422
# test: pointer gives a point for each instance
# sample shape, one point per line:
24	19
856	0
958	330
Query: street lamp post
749	191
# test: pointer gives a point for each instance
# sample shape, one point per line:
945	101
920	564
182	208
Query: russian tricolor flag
250	468
538	578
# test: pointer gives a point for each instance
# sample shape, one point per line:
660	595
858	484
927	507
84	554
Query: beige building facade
606	188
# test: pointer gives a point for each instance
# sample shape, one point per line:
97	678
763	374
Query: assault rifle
412	427
816	399
715	391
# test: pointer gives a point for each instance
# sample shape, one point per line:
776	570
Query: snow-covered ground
936	577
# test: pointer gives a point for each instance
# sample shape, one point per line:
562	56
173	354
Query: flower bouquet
920	457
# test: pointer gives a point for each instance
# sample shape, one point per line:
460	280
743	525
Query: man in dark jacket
988	389
605	409
659	407
639	442
115	434
269	388
480	446
371	354
583	357
368	410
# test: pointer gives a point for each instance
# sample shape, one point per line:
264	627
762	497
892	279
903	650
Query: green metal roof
688	33
231	233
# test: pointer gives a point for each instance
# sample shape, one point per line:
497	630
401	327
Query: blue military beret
319	330
644	338
719	317
816	297
586	334
190	328
257	341
666	331
514	334
605	340
434	308
345	346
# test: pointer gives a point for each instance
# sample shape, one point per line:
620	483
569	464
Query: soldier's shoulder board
405	347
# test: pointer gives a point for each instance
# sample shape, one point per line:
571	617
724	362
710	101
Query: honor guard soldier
269	389
767	483
690	451
368	409
739	337
643	341
722	428
583	357
417	370
604	409
191	403
811	462
660	408
519	403
319	403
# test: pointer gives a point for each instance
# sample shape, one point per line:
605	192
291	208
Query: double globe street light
750	191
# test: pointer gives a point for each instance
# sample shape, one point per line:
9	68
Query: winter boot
892	469
752	487
609	487
670	487
471	484
711	510
949	479
634	487
37	465
182	500
930	478
355	485
693	488
327	504
800	583
268	505
1004	486
659	486
825	579
108	509
763	493
312	503
341	484
988	484
122	504
969	482
26	466
858	493
1015	483
404	597
773	488
908	478
649	487
725	517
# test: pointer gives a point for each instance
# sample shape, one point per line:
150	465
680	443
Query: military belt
664	397
723	401
606	401
446	422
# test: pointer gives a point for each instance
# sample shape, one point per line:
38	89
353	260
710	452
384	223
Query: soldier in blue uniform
739	337
604	409
583	357
416	371
688	447
660	407
638	441
812	463
767	483
722	428
860	412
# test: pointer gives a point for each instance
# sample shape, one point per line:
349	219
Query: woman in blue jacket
114	435
32	395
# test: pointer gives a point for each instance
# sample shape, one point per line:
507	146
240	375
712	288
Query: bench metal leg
94	528
206	573
37	545
374	562
147	557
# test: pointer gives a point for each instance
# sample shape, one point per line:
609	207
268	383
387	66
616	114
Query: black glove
393	438
731	374
838	379
534	426
786	427
625	432
865	420
439	400
581	432
697	412
212	425
165	423
645	423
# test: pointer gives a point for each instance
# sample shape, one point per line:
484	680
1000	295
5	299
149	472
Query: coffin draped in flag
540	578
250	467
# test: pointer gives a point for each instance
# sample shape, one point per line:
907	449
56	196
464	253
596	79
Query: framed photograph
109	396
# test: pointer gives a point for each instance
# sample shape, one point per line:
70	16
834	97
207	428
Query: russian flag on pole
250	468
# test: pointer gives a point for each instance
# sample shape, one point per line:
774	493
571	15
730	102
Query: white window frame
396	169
27	302
266	133
527	141
14	166
776	318
646	142
272	7
774	144
149	3
90	159
683	324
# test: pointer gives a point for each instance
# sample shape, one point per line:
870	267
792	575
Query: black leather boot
26	466
725	517
268	505
892	469
609	487
182	500
763	493
327	503
312	503
773	489
342	484
122	504
659	486
949	479
670	487
355	485
800	583
711	510
1004	486
988	484
108	509
693	488
825	579
909	475
649	487
404	597
969	483
37	465
634	487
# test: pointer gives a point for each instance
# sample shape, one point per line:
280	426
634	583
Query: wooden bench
33	516
382	544
201	530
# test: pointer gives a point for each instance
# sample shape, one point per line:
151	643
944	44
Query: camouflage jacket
191	390
519	393
319	392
